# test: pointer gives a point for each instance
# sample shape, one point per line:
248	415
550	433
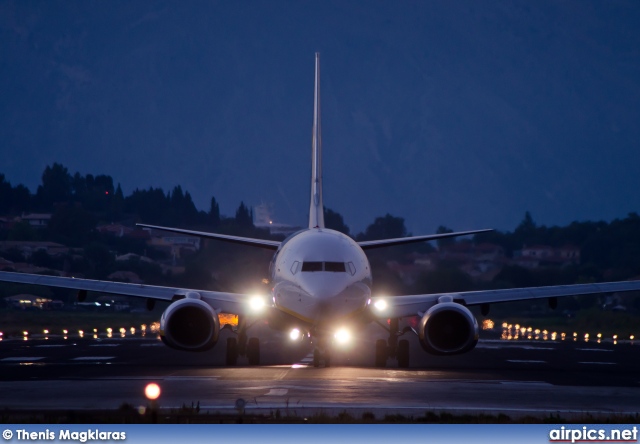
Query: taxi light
343	336
381	305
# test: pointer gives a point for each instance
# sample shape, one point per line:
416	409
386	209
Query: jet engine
190	324
448	328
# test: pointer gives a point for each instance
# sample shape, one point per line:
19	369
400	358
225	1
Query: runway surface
516	378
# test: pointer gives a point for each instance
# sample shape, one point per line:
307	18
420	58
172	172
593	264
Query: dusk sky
465	113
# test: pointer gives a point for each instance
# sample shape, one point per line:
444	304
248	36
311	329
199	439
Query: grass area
128	414
14	322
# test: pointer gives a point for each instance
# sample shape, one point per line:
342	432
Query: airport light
46	332
152	391
65	332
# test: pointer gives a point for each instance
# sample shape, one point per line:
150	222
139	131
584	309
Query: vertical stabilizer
316	210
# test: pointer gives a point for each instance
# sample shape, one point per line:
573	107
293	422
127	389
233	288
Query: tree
72	225
56	187
387	227
244	218
334	221
214	213
446	241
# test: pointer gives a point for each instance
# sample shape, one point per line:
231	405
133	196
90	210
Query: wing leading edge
367	245
410	305
261	243
235	303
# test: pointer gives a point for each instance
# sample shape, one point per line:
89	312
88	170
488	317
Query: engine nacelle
190	324
448	328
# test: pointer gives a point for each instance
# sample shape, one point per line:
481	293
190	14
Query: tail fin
316	209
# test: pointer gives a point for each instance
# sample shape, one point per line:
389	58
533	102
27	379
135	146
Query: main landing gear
392	348
242	346
321	357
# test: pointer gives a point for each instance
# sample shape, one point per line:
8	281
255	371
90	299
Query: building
37	220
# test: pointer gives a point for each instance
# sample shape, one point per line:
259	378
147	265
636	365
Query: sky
444	113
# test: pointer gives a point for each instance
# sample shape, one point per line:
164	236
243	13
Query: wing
410	305
262	243
367	245
235	303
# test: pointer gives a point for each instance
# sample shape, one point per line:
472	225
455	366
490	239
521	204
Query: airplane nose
322	289
336	298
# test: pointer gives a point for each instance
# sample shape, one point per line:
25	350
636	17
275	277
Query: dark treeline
78	204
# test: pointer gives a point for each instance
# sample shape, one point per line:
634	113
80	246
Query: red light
106	192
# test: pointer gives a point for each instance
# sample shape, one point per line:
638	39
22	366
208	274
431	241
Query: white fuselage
320	276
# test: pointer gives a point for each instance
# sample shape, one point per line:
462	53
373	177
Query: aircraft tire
403	353
232	351
253	351
316	357
381	353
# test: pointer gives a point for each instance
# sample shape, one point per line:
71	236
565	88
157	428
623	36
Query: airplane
320	288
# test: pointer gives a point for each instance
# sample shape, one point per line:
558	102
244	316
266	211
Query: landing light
380	304
343	336
256	303
294	334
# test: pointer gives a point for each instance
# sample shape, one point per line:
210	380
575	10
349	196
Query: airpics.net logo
82	436
586	434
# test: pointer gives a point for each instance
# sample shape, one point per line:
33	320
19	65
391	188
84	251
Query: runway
516	378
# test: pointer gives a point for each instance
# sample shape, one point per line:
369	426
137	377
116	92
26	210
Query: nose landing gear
322	353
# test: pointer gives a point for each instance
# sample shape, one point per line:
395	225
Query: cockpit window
312	266
336	267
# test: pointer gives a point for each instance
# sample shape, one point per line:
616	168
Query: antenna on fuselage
316	209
